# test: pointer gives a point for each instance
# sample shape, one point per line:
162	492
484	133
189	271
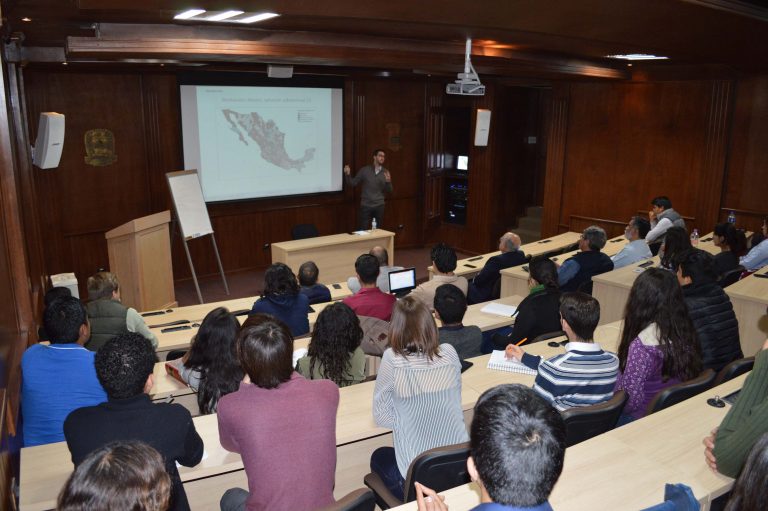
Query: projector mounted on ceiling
468	83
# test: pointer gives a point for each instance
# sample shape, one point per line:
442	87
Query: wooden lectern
140	256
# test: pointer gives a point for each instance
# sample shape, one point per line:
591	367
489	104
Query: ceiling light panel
637	56
221	16
191	13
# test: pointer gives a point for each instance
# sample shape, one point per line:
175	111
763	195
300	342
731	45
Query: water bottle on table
695	238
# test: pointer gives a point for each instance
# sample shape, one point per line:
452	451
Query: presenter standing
376	182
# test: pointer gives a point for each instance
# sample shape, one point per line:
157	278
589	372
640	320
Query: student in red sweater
283	426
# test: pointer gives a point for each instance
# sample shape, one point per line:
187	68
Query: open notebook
499	362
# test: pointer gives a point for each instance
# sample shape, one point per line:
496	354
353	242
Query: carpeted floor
249	283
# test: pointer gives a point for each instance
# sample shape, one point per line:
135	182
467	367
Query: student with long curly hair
210	366
658	345
334	351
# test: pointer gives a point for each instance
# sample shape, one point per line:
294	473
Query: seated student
108	316
282	425
676	241
517	449
732	243
747	420
417	393
315	293
576	272
443	264
662	217
585	374
539	312
637	248
710	309
450	306
120	475
334	351
370	300
124	366
758	254
210	366
750	493
51	295
481	287
58	378
382	282
658	346
281	298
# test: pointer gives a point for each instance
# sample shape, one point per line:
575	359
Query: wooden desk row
471	266
45	468
514	281
749	297
628	467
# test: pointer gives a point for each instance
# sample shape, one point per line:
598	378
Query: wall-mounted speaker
482	127
50	140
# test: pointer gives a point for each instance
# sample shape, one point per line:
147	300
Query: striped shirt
584	375
420	400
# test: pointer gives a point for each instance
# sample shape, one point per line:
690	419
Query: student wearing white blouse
417	393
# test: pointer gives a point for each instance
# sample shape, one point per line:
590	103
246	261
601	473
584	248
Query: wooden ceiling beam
201	44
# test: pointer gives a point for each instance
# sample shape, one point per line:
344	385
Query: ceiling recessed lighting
629	65
637	56
258	17
224	15
65	63
188	14
26	19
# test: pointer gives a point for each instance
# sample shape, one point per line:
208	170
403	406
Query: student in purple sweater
283	426
658	345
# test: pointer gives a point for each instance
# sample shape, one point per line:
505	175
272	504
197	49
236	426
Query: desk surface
752	288
628	467
44	469
471	266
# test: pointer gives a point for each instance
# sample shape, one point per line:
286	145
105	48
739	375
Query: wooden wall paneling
87	200
393	120
557	133
30	216
630	142
612	228
713	171
747	166
434	141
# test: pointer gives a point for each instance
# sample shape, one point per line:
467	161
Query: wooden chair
441	468
585	422
682	391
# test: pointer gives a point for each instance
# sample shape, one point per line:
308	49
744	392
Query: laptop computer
401	282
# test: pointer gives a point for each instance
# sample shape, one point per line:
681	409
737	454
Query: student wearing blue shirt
58	378
517	448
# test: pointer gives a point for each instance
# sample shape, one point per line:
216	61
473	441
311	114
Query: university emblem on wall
393	136
100	147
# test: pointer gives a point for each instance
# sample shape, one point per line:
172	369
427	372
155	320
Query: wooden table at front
334	255
749	297
471	266
514	281
627	468
44	469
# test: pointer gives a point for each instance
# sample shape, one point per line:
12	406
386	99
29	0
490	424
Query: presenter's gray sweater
374	186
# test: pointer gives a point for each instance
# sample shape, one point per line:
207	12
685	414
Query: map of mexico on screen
250	142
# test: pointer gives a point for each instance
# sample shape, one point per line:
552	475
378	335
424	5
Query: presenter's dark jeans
367	213
384	463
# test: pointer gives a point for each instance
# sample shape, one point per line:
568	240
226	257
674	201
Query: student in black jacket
709	307
481	287
539	312
124	367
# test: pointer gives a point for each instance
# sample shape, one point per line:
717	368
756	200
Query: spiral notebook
498	362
